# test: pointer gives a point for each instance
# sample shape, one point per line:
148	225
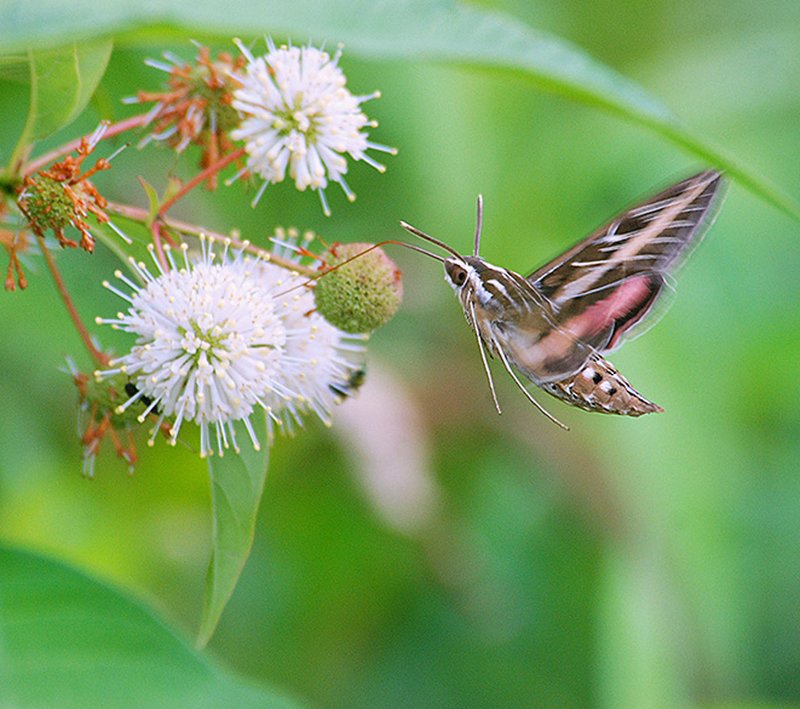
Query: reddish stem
114	129
141	215
100	357
198	178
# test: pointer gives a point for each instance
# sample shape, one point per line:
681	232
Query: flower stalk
112	130
99	357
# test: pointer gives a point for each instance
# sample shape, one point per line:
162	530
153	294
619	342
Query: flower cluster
224	329
299	115
222	332
291	108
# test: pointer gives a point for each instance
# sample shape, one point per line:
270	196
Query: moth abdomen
600	387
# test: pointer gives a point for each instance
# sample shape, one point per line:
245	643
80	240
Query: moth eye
458	275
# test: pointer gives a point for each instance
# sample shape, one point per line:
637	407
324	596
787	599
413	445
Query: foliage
426	549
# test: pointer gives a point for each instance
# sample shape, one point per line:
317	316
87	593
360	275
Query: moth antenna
528	395
422	235
418	249
478	226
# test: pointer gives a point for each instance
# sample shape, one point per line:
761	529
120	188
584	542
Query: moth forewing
605	286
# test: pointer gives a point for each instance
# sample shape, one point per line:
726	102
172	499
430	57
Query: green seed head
362	295
47	204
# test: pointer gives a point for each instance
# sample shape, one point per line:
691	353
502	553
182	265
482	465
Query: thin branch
114	129
100	357
198	178
155	229
141	215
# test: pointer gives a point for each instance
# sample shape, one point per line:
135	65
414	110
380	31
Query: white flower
299	114
321	365
225	332
209	344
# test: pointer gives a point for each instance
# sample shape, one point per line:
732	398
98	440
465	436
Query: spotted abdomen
600	387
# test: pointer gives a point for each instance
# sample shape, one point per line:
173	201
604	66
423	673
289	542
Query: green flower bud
47	204
361	295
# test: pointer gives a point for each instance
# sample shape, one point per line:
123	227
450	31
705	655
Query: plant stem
114	129
155	229
141	215
100	357
198	178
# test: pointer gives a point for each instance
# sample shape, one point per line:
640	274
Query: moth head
458	269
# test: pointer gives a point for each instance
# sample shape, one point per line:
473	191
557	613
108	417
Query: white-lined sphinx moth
555	325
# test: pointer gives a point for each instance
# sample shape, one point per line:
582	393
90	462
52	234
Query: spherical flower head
208	343
321	365
298	114
360	295
48	203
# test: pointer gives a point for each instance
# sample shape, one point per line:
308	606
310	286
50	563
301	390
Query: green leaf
426	30
68	640
62	82
137	232
237	481
14	67
153	200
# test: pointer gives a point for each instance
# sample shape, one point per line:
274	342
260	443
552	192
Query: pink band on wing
621	309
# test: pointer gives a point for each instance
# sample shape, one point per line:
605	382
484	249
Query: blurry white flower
321	365
299	114
209	344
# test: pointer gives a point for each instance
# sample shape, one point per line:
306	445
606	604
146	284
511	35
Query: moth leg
482	349
533	401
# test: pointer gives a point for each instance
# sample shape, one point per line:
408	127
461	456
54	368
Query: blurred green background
425	551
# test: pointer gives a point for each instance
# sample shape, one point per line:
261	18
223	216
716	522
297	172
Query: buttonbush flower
224	332
208	346
196	106
320	362
299	115
362	290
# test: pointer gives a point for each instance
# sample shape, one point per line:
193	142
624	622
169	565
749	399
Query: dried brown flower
196	107
63	196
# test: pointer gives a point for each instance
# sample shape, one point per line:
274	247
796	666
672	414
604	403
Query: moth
555	325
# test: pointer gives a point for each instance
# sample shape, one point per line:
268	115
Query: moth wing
604	287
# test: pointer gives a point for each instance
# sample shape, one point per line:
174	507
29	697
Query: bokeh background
425	551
